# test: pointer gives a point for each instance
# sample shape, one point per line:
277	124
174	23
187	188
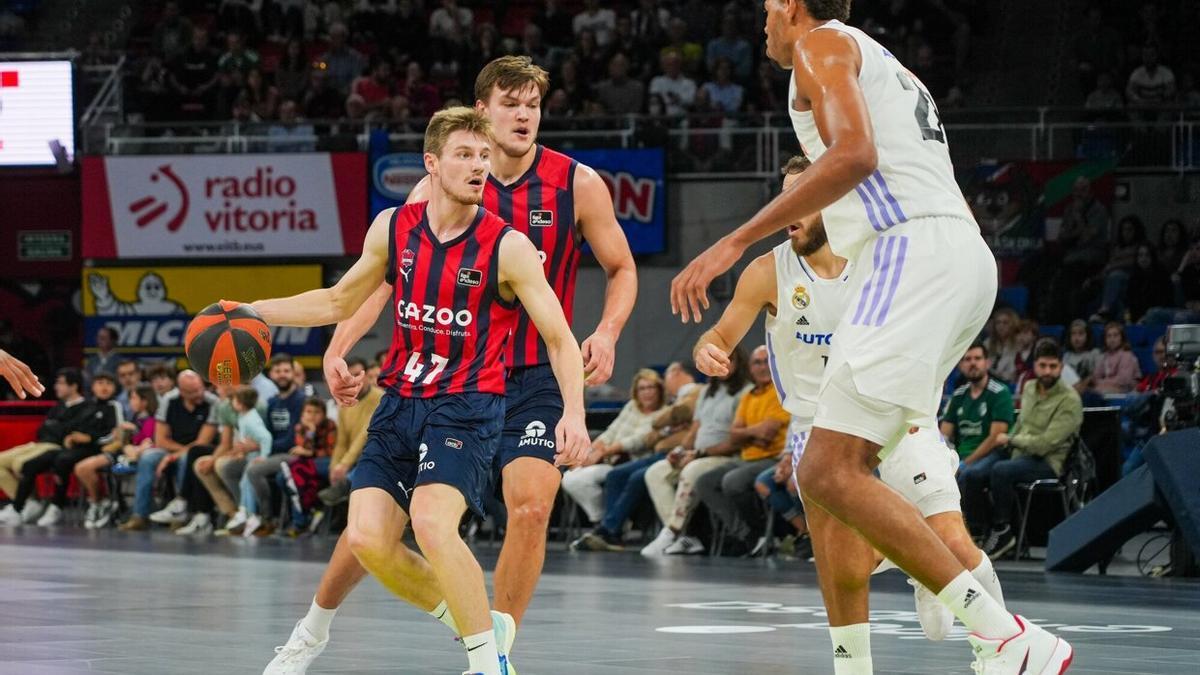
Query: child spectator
307	469
251	441
136	435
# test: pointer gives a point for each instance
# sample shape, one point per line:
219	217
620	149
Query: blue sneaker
505	628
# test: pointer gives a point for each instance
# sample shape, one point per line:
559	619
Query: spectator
422	97
1026	339
619	94
322	100
1189	93
104	417
135	437
1151	83
625	42
193	75
342	62
759	432
691	54
250	440
171	32
625	439
290	134
599	20
650	21
352	434
306	471
237	57
732	47
590	58
1172	244
764	91
671	481
975	417
1098	49
1081	354
236	15
375	89
1105	96
106	357
1002	343
625	486
282	19
260	97
291	75
283	414
1118	371
1051	416
926	69
1084	233
532	45
154	91
129	376
450	23
184	428
1149	283
775	485
723	92
676	89
162	379
65	426
555	24
1131	234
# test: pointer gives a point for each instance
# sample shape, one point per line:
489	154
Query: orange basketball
228	343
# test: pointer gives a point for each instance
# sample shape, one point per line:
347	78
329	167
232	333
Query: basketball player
558	203
924	283
22	380
803	287
457	274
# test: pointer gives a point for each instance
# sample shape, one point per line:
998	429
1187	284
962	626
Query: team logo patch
454	443
802	321
541	218
407	258
535	433
470	277
919	478
800	298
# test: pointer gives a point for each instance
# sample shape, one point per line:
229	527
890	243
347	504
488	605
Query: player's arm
599	226
756	289
826	66
521	272
324	306
20	377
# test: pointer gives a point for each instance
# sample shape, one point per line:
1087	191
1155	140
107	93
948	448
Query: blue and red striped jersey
541	204
451	327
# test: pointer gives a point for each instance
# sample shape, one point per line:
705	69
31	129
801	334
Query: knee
762	489
365	542
529	514
434	532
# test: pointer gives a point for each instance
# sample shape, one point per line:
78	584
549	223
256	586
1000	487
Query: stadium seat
1016	297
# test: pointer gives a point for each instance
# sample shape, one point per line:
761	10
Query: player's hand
571	441
712	360
599	353
19	376
689	289
343	386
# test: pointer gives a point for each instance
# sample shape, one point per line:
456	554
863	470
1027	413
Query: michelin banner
311	204
634	177
150	307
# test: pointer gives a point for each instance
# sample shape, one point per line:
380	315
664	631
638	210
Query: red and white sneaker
1033	651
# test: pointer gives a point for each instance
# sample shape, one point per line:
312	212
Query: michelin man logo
534	435
422	464
152	297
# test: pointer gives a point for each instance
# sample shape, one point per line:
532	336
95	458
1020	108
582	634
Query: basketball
228	343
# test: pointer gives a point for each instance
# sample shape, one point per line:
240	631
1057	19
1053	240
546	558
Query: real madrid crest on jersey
800	298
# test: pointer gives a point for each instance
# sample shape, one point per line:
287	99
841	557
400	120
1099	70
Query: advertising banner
634	177
311	204
150	307
37	113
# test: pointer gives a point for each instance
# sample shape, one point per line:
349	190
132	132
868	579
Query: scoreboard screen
37	112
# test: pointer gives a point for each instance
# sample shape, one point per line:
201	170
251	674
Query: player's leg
374	532
951	529
530	485
844	561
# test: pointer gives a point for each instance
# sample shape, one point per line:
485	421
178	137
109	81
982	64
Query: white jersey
807	309
914	178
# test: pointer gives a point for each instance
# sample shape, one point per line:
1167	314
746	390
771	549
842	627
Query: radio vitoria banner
312	204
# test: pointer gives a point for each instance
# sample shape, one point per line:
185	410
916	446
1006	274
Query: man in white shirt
677	90
600	21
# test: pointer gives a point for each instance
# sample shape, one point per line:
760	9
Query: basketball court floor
107	602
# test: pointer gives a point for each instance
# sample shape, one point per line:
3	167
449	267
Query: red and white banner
224	205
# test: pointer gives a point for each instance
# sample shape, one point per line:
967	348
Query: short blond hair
459	118
509	73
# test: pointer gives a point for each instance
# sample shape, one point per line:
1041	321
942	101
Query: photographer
1148	412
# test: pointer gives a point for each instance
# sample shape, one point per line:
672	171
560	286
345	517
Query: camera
1183	388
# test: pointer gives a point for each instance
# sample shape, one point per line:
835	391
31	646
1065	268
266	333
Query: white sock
851	649
442	613
985	574
481	653
978	610
317	621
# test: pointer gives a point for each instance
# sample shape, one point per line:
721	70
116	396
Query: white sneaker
685	545
53	516
105	511
665	538
32	511
505	628
936	619
9	516
199	524
174	512
1032	651
252	524
297	655
89	518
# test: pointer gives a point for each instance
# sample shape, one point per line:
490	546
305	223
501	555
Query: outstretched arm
521	272
826	65
22	380
756	289
599	226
